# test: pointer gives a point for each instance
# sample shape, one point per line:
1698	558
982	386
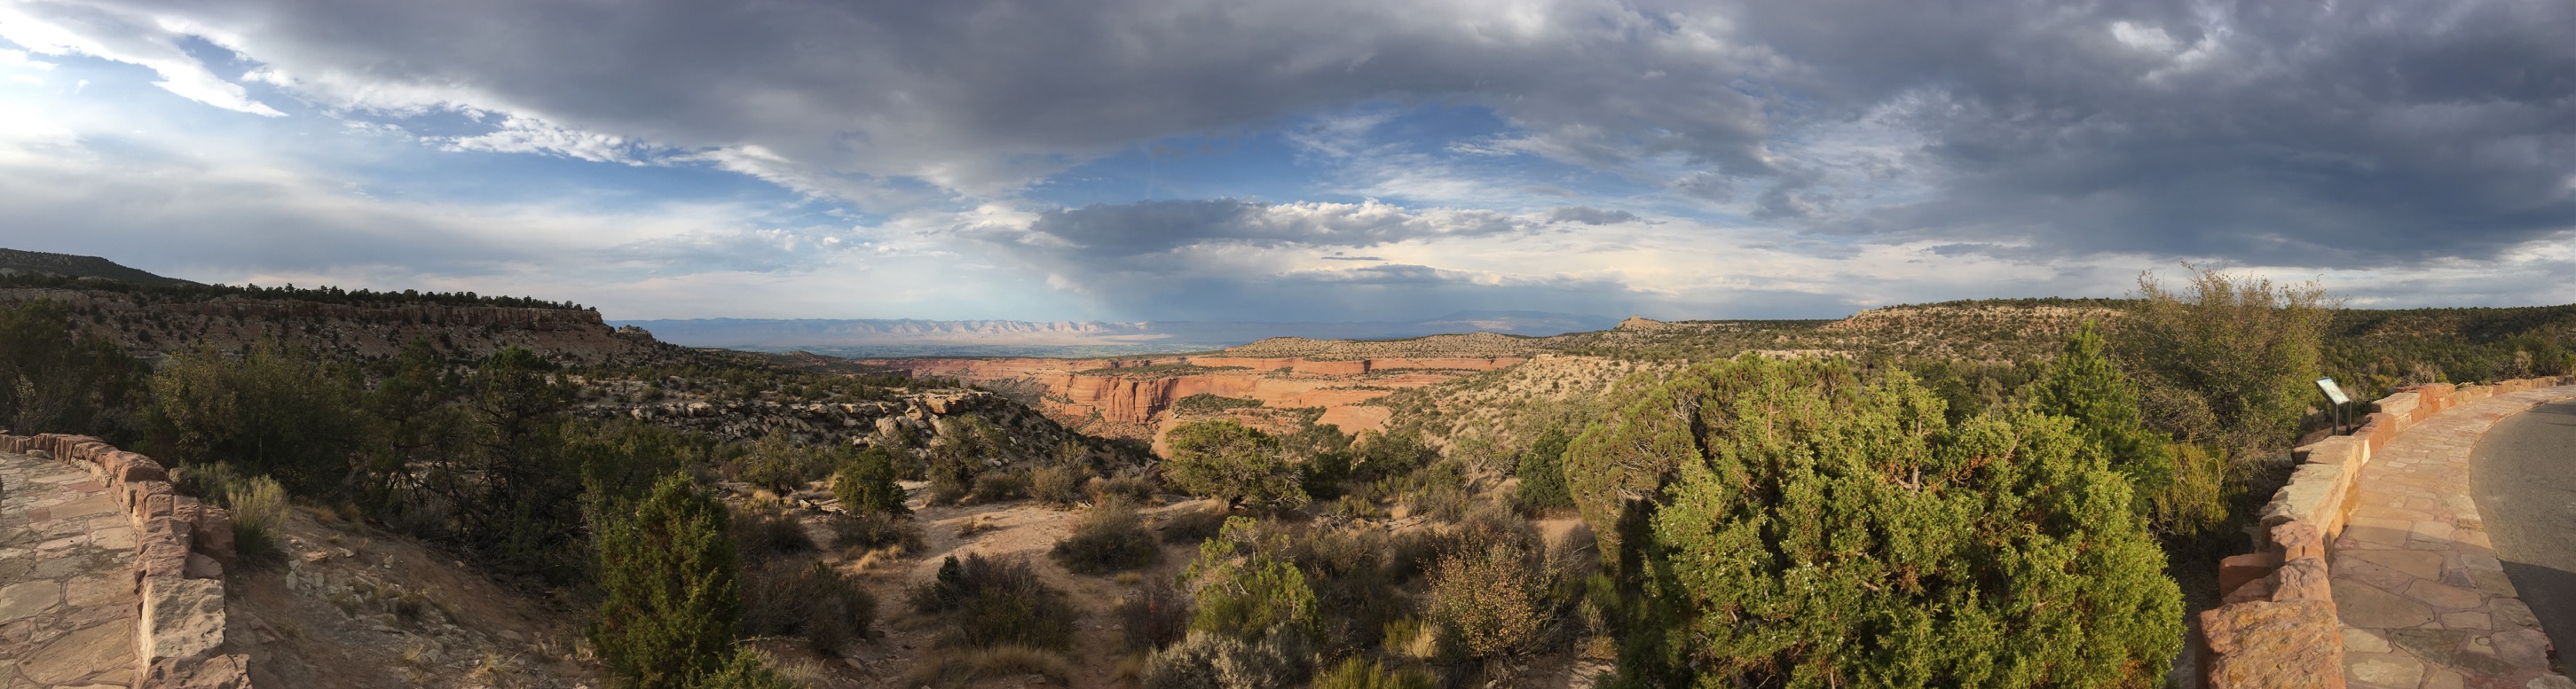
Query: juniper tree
1226	459
672	600
2084	385
1822	531
866	483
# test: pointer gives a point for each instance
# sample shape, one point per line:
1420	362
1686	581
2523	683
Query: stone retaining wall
181	549
2277	624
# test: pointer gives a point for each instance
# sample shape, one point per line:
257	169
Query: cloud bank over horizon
1333	160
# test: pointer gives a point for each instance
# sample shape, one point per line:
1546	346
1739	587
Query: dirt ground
351	606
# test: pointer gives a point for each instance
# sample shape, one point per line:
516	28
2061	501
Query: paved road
2525	475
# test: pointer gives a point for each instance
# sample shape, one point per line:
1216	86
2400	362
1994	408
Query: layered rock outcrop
1132	396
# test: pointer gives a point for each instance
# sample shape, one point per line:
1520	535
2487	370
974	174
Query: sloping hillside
15	262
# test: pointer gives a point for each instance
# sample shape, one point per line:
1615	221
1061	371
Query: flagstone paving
2424	602
67	601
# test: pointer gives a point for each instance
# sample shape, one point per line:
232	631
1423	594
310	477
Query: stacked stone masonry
124	581
2376	571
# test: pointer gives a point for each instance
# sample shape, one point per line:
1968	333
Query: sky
1318	160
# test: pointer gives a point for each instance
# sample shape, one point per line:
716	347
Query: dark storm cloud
2353	133
2316	134
984	94
1111	231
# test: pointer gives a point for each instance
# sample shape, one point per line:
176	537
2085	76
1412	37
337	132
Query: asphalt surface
2524	472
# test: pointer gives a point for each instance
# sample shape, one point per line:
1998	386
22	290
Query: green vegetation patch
1206	403
1158	370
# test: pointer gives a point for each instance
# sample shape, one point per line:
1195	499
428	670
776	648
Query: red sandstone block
213	534
162	559
130	467
2235	572
2273	645
168	529
158	500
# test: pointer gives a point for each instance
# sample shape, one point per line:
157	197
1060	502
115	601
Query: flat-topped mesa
159	323
1469	345
1135	396
1641	324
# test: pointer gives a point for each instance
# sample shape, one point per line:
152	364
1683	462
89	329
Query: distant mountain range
13	261
912	337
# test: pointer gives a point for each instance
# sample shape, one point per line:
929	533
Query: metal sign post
2335	401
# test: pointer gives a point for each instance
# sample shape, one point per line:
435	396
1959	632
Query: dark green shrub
272	412
56	379
1228	460
670	597
952	477
805	599
765	529
2083	385
988	602
779	465
1322	475
747	669
1541	470
1108	538
866	483
1205	403
1397	454
1244	585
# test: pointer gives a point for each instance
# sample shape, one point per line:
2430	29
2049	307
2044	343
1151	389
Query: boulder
2292	645
181	618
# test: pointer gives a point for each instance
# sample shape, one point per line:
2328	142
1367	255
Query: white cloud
54	29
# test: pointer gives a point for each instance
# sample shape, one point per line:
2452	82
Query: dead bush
1059	486
876	530
1192	526
1205	660
997	486
956	667
1109	538
1488	599
1135	488
1154	616
764	529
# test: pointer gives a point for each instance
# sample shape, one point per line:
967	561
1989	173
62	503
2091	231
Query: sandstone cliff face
1133	396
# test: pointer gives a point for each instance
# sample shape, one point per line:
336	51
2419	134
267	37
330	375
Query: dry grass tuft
951	668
